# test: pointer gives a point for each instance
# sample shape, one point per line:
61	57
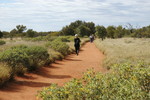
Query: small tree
12	33
83	30
111	31
101	32
21	28
119	32
91	26
30	33
1	34
67	31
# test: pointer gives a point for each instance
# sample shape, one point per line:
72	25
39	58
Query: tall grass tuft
5	73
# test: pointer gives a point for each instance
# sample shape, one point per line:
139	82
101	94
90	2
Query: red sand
25	88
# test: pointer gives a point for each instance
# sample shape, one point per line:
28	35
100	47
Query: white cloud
46	15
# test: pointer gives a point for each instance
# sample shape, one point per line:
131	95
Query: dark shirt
77	42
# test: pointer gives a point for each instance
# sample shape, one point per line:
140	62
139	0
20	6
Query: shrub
54	55
14	56
70	38
37	57
127	82
63	39
59	46
29	57
39	38
2	42
50	38
5	73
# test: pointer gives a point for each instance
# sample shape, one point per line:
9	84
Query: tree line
22	31
83	29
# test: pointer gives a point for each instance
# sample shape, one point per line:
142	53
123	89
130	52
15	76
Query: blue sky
52	15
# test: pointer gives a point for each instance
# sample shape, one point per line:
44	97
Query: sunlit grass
124	50
5	73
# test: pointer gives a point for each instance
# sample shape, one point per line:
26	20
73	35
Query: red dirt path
25	88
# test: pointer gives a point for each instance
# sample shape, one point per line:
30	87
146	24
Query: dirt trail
25	88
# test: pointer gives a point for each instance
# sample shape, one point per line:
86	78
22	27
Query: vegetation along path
73	66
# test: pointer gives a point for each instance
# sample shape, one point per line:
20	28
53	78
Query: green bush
40	38
59	46
56	56
63	39
2	42
29	57
37	57
127	82
14	56
50	38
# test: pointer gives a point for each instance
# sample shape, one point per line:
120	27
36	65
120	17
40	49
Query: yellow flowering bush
126	82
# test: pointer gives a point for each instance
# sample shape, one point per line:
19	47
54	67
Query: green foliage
127	82
37	57
35	39
79	27
142	32
24	56
42	33
14	55
5	34
59	46
12	33
20	28
101	32
67	31
51	38
83	31
54	34
55	55
63	38
111	31
2	42
76	24
91	27
30	33
119	32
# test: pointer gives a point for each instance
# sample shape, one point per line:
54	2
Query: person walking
91	38
77	44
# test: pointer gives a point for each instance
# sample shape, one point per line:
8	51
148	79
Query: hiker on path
91	38
77	44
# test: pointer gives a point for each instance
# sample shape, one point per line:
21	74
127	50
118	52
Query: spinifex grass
124	50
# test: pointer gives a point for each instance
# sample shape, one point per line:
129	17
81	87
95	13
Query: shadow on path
17	85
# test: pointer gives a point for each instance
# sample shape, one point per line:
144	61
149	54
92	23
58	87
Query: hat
76	35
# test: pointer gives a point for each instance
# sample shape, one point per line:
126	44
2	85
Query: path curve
72	66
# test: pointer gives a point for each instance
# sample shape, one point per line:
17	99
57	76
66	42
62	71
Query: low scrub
2	42
54	55
37	57
59	46
28	57
51	38
127	82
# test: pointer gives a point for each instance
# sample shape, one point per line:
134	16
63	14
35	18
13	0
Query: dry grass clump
5	73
